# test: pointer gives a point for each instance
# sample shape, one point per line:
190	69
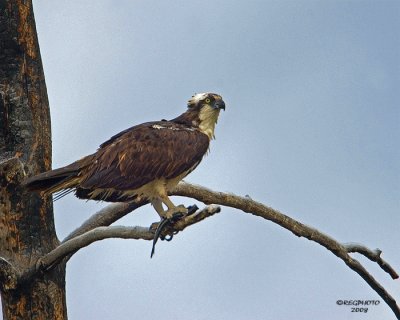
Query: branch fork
67	248
98	228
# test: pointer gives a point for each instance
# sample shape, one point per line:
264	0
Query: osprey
145	161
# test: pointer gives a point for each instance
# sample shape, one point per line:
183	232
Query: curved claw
192	209
168	237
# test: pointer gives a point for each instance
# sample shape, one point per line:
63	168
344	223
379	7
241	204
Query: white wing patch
160	127
157	126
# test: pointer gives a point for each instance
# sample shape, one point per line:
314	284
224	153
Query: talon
176	216
192	209
170	213
168	237
181	208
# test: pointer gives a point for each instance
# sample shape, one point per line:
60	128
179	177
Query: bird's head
206	100
207	107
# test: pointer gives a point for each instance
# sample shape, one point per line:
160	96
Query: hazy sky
311	128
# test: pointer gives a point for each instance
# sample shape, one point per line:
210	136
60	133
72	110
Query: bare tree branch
246	204
373	255
106	217
69	247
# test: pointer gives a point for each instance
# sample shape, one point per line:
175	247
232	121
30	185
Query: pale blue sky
311	128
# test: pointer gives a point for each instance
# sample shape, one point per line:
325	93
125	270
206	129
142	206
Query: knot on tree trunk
11	171
8	275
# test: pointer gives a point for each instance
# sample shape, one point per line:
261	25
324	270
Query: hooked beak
219	105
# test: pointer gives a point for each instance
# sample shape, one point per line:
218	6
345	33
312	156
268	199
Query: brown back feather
129	160
144	153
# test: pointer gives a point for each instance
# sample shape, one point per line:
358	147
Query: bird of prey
145	161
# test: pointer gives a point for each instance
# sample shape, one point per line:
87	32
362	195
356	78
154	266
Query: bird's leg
177	211
168	217
165	221
157	204
172	209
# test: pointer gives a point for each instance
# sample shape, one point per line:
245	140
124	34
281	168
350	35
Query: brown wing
144	153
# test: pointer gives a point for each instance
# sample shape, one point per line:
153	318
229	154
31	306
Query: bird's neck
205	120
208	119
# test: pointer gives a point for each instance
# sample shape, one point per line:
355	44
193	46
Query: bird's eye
208	100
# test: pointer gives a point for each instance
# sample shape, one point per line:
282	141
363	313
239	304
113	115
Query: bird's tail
54	180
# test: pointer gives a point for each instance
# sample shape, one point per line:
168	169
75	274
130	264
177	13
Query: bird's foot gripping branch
165	230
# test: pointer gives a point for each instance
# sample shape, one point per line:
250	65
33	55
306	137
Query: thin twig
373	255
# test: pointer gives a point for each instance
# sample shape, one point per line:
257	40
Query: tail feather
54	180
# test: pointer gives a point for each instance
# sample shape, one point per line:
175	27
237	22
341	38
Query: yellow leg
167	214
157	204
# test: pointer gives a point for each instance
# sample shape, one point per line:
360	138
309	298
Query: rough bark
26	221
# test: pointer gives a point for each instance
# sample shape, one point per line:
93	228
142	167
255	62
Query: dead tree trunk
26	221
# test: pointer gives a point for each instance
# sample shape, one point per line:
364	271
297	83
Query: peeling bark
26	221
